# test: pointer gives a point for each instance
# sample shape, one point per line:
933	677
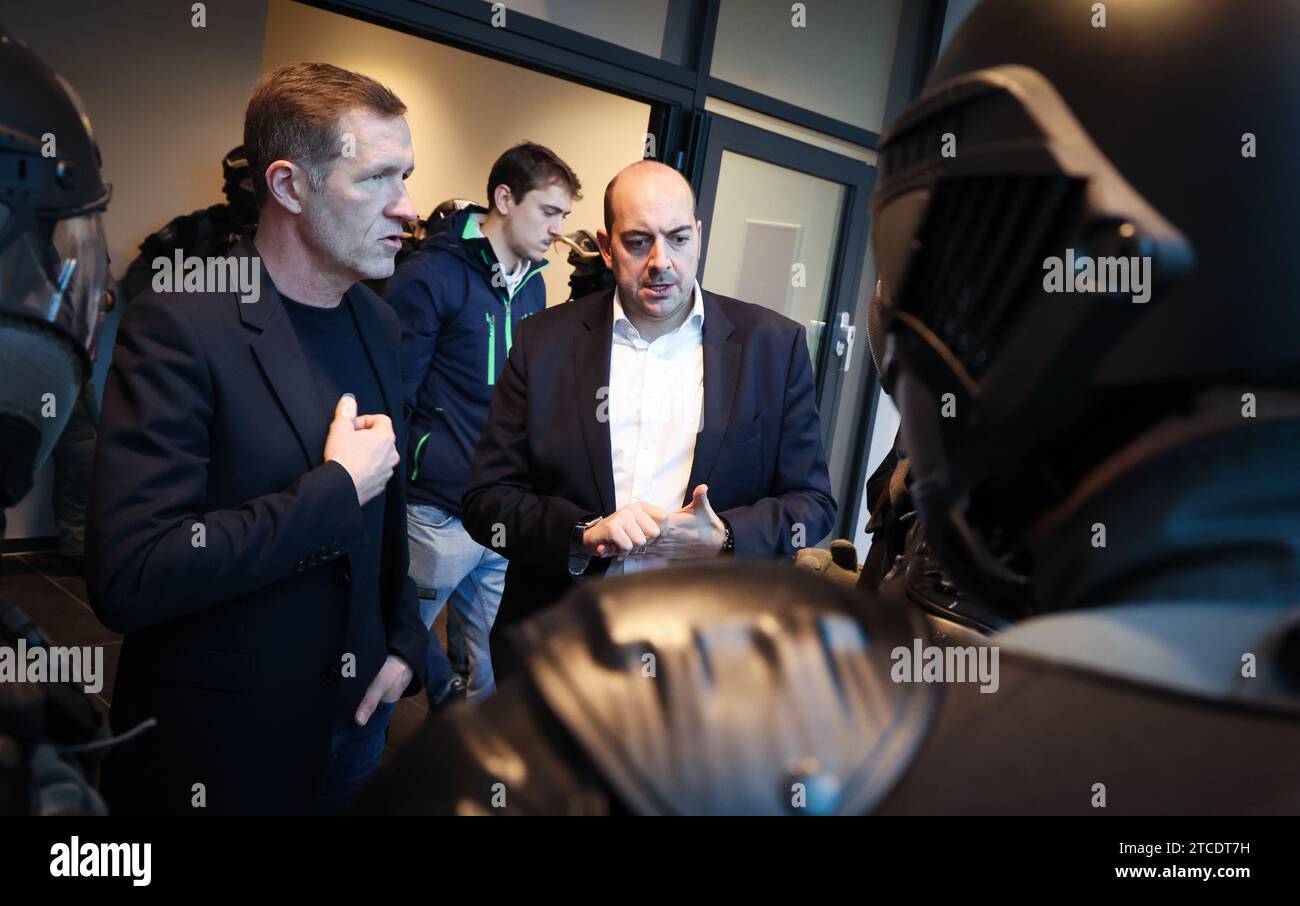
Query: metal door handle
844	337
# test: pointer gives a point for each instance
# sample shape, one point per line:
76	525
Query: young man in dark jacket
460	299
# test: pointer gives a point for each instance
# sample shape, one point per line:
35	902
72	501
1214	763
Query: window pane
657	28
772	240
832	58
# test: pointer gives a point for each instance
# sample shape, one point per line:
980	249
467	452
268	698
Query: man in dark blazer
248	527
648	425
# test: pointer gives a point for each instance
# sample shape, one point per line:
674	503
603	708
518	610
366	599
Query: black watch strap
581	527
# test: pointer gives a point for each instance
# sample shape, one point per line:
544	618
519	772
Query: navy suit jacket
236	632
544	461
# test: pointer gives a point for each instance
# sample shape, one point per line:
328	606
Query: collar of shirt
515	277
625	331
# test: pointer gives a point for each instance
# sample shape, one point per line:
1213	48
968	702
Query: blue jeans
354	756
447	565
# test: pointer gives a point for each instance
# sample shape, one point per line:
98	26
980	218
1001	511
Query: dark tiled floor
53	596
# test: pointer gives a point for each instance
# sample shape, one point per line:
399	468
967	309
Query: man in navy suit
248	527
647	425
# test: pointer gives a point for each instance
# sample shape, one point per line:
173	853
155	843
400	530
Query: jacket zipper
508	338
506	299
415	469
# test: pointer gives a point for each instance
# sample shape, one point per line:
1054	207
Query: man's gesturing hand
364	445
691	533
631	528
387	686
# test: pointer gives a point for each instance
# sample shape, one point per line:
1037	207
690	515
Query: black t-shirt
339	364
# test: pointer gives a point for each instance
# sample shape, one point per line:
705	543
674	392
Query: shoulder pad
747	688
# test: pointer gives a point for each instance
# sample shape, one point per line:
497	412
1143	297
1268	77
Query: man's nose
659	260
404	208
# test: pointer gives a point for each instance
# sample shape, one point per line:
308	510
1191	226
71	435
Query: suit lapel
721	368
279	355
378	349
591	350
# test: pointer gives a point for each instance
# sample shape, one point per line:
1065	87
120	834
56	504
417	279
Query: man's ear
285	182
606	249
502	199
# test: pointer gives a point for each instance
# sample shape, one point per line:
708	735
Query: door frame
845	271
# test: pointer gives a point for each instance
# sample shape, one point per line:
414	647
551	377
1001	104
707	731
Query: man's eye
636	244
680	240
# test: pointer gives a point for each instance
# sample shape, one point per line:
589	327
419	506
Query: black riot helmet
53	259
449	208
1085	220
590	272
237	185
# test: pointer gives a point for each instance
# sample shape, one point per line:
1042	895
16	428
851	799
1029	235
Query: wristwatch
581	529
729	542
579	559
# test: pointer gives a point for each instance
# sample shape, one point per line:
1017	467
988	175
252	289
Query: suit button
331	675
300	565
336	548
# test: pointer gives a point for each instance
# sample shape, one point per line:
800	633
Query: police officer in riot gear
53	272
1113	451
208	232
53	260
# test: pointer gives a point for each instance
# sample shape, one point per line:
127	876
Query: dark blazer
235	633
544	460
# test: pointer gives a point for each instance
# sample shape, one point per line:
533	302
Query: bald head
651	242
646	178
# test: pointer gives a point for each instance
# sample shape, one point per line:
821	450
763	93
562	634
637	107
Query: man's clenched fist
364	445
692	533
628	530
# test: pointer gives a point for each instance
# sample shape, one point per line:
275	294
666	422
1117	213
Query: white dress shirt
656	398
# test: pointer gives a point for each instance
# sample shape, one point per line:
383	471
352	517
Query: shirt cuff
579	560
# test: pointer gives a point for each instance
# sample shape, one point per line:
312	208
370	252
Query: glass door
785	226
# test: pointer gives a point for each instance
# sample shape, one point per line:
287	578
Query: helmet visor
55	273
